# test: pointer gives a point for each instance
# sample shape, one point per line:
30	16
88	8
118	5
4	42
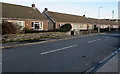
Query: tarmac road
74	55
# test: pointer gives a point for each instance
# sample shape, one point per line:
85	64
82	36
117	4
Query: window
61	25
81	26
90	27
37	25
21	24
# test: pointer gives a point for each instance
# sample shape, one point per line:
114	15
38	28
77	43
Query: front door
72	32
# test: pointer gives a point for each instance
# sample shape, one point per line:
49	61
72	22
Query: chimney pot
33	5
83	15
46	9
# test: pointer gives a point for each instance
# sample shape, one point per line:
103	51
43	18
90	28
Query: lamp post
99	19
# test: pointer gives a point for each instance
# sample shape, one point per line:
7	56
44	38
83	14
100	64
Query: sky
89	8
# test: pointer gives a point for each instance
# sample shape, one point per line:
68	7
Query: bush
33	31
65	28
10	28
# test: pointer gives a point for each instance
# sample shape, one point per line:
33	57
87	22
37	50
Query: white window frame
40	24
61	24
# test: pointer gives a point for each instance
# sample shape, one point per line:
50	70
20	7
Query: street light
99	19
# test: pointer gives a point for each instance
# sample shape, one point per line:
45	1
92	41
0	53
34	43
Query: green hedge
33	31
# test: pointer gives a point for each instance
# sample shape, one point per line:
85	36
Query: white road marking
106	37
90	41
93	40
99	39
58	49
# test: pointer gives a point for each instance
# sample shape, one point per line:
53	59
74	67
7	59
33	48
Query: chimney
46	9
83	15
33	6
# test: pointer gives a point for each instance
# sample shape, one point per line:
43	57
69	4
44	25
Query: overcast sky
76	7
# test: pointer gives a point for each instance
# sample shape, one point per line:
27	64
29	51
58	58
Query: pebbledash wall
14	37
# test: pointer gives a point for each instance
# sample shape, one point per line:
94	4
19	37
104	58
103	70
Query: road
74	55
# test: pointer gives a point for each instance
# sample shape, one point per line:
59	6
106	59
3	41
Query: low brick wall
15	37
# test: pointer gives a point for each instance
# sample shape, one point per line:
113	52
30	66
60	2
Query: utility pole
111	19
99	19
113	14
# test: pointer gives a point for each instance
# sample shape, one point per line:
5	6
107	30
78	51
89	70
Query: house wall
76	27
86	26
79	26
104	26
115	26
50	25
27	23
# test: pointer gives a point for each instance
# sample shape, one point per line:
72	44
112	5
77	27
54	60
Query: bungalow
103	24
56	20
23	16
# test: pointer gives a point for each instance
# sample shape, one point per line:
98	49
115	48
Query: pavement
111	65
70	55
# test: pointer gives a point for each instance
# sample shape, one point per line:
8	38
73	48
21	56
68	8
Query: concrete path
111	65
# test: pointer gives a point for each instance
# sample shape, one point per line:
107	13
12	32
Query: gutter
20	19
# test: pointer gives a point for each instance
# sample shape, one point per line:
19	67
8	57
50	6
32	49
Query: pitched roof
62	17
103	21
107	22
20	12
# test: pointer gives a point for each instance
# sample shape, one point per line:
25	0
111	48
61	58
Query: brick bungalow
78	23
23	16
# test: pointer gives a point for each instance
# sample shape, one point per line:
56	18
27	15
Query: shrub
32	31
65	28
10	28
